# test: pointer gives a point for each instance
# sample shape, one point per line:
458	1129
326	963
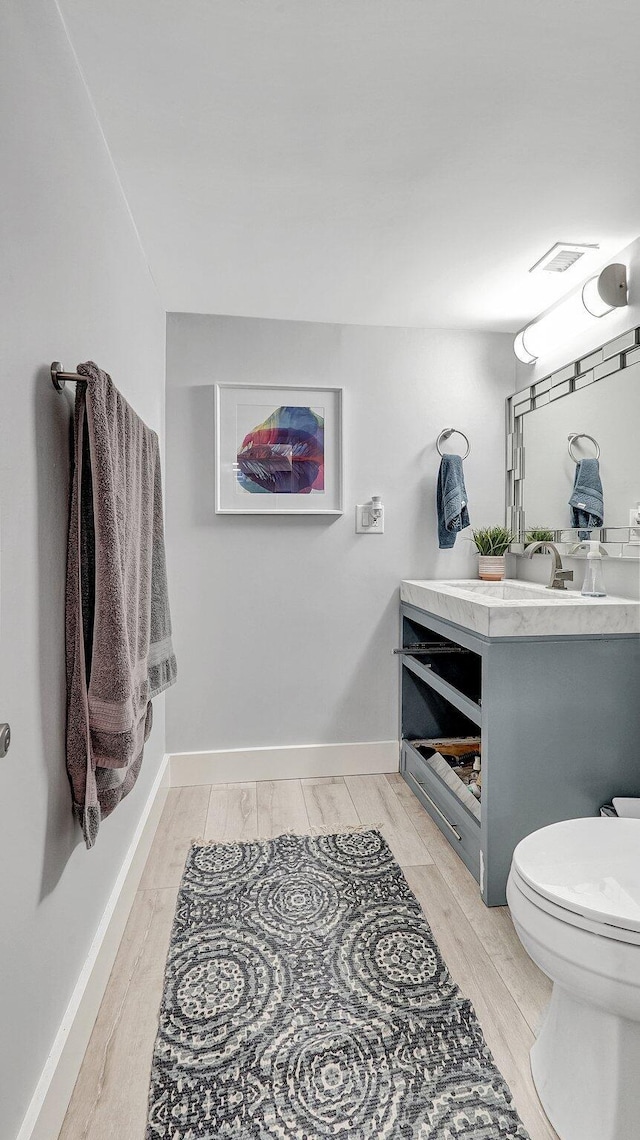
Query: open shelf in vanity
547	711
441	688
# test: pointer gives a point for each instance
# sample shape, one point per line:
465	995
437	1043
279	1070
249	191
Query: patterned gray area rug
305	997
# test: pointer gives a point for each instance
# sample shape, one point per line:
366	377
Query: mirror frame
592	368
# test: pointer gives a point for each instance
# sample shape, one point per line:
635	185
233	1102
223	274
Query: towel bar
59	377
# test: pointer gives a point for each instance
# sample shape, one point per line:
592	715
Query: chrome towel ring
582	435
445	433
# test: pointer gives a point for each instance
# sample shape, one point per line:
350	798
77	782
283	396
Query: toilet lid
588	866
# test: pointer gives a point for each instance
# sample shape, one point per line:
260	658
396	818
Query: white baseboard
46	1112
288	763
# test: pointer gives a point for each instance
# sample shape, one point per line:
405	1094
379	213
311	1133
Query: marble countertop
523	610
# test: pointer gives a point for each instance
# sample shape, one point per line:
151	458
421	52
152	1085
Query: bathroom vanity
550	683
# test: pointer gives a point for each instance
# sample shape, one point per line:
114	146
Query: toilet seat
586	872
571	917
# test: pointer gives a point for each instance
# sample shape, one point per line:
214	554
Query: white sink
521	609
511	591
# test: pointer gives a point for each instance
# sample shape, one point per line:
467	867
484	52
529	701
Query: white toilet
574	896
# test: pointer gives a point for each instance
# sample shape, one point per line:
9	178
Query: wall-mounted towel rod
59	377
445	433
582	435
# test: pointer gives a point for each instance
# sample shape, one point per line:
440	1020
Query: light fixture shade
608	291
520	347
592	300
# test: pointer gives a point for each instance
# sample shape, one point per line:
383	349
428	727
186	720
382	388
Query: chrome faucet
558	575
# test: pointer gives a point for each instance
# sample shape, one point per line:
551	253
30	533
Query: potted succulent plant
492	543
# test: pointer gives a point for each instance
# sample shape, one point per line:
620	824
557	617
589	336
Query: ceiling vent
561	257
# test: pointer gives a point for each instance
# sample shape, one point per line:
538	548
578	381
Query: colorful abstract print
284	455
305	998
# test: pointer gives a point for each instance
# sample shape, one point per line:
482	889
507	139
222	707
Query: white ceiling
398	162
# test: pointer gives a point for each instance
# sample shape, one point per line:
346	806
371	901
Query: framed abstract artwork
278	450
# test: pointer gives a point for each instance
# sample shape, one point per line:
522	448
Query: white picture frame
278	450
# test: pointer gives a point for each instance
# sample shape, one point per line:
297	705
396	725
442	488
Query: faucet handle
559	578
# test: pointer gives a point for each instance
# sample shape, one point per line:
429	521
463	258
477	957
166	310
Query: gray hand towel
587	502
118	628
451	501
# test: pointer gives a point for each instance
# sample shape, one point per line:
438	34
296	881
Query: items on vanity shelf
451	495
118	627
593	585
456	747
457	760
472	776
461	788
492	543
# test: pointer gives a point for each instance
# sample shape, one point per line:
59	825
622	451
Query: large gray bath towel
118	628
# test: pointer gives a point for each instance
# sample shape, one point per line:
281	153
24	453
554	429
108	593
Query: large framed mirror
590	408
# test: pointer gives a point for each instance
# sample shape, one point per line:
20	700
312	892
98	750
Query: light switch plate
362	514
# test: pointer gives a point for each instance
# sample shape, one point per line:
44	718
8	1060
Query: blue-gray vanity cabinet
559	720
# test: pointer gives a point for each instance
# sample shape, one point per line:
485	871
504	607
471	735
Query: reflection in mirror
609	411
587	409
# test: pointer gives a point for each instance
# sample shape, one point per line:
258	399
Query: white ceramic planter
491	567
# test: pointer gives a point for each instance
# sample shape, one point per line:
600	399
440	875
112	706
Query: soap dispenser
593	585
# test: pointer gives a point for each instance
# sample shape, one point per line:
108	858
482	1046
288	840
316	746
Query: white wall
73	285
284	626
622	576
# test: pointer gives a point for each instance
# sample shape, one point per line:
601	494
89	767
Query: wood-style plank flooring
479	945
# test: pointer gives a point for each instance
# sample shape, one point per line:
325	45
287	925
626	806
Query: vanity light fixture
607	291
599	295
520	348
